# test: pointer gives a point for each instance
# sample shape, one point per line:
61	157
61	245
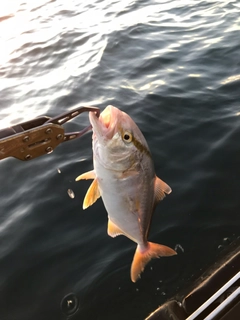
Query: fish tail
143	256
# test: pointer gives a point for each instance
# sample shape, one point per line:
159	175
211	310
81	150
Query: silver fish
125	178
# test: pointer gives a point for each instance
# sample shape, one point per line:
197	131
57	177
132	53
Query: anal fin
113	230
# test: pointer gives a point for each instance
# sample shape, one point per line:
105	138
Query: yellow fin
161	189
92	194
87	175
141	258
113	230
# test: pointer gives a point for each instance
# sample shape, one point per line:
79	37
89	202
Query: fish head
117	140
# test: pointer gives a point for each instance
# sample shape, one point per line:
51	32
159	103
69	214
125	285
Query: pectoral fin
92	194
161	189
86	176
113	230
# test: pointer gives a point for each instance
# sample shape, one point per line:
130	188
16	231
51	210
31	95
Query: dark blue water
174	67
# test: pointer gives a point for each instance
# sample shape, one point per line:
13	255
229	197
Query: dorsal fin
161	189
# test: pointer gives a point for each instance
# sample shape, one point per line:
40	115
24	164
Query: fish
125	178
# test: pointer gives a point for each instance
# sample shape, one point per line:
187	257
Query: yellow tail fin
141	258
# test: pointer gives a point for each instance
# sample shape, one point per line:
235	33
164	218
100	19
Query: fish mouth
104	126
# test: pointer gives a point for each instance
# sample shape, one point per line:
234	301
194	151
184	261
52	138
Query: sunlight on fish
124	177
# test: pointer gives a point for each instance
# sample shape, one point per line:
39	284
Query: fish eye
127	137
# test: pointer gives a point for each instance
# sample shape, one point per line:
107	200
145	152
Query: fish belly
119	200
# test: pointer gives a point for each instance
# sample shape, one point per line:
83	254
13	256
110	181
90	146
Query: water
174	67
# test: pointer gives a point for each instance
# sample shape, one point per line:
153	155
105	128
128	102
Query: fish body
125	178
